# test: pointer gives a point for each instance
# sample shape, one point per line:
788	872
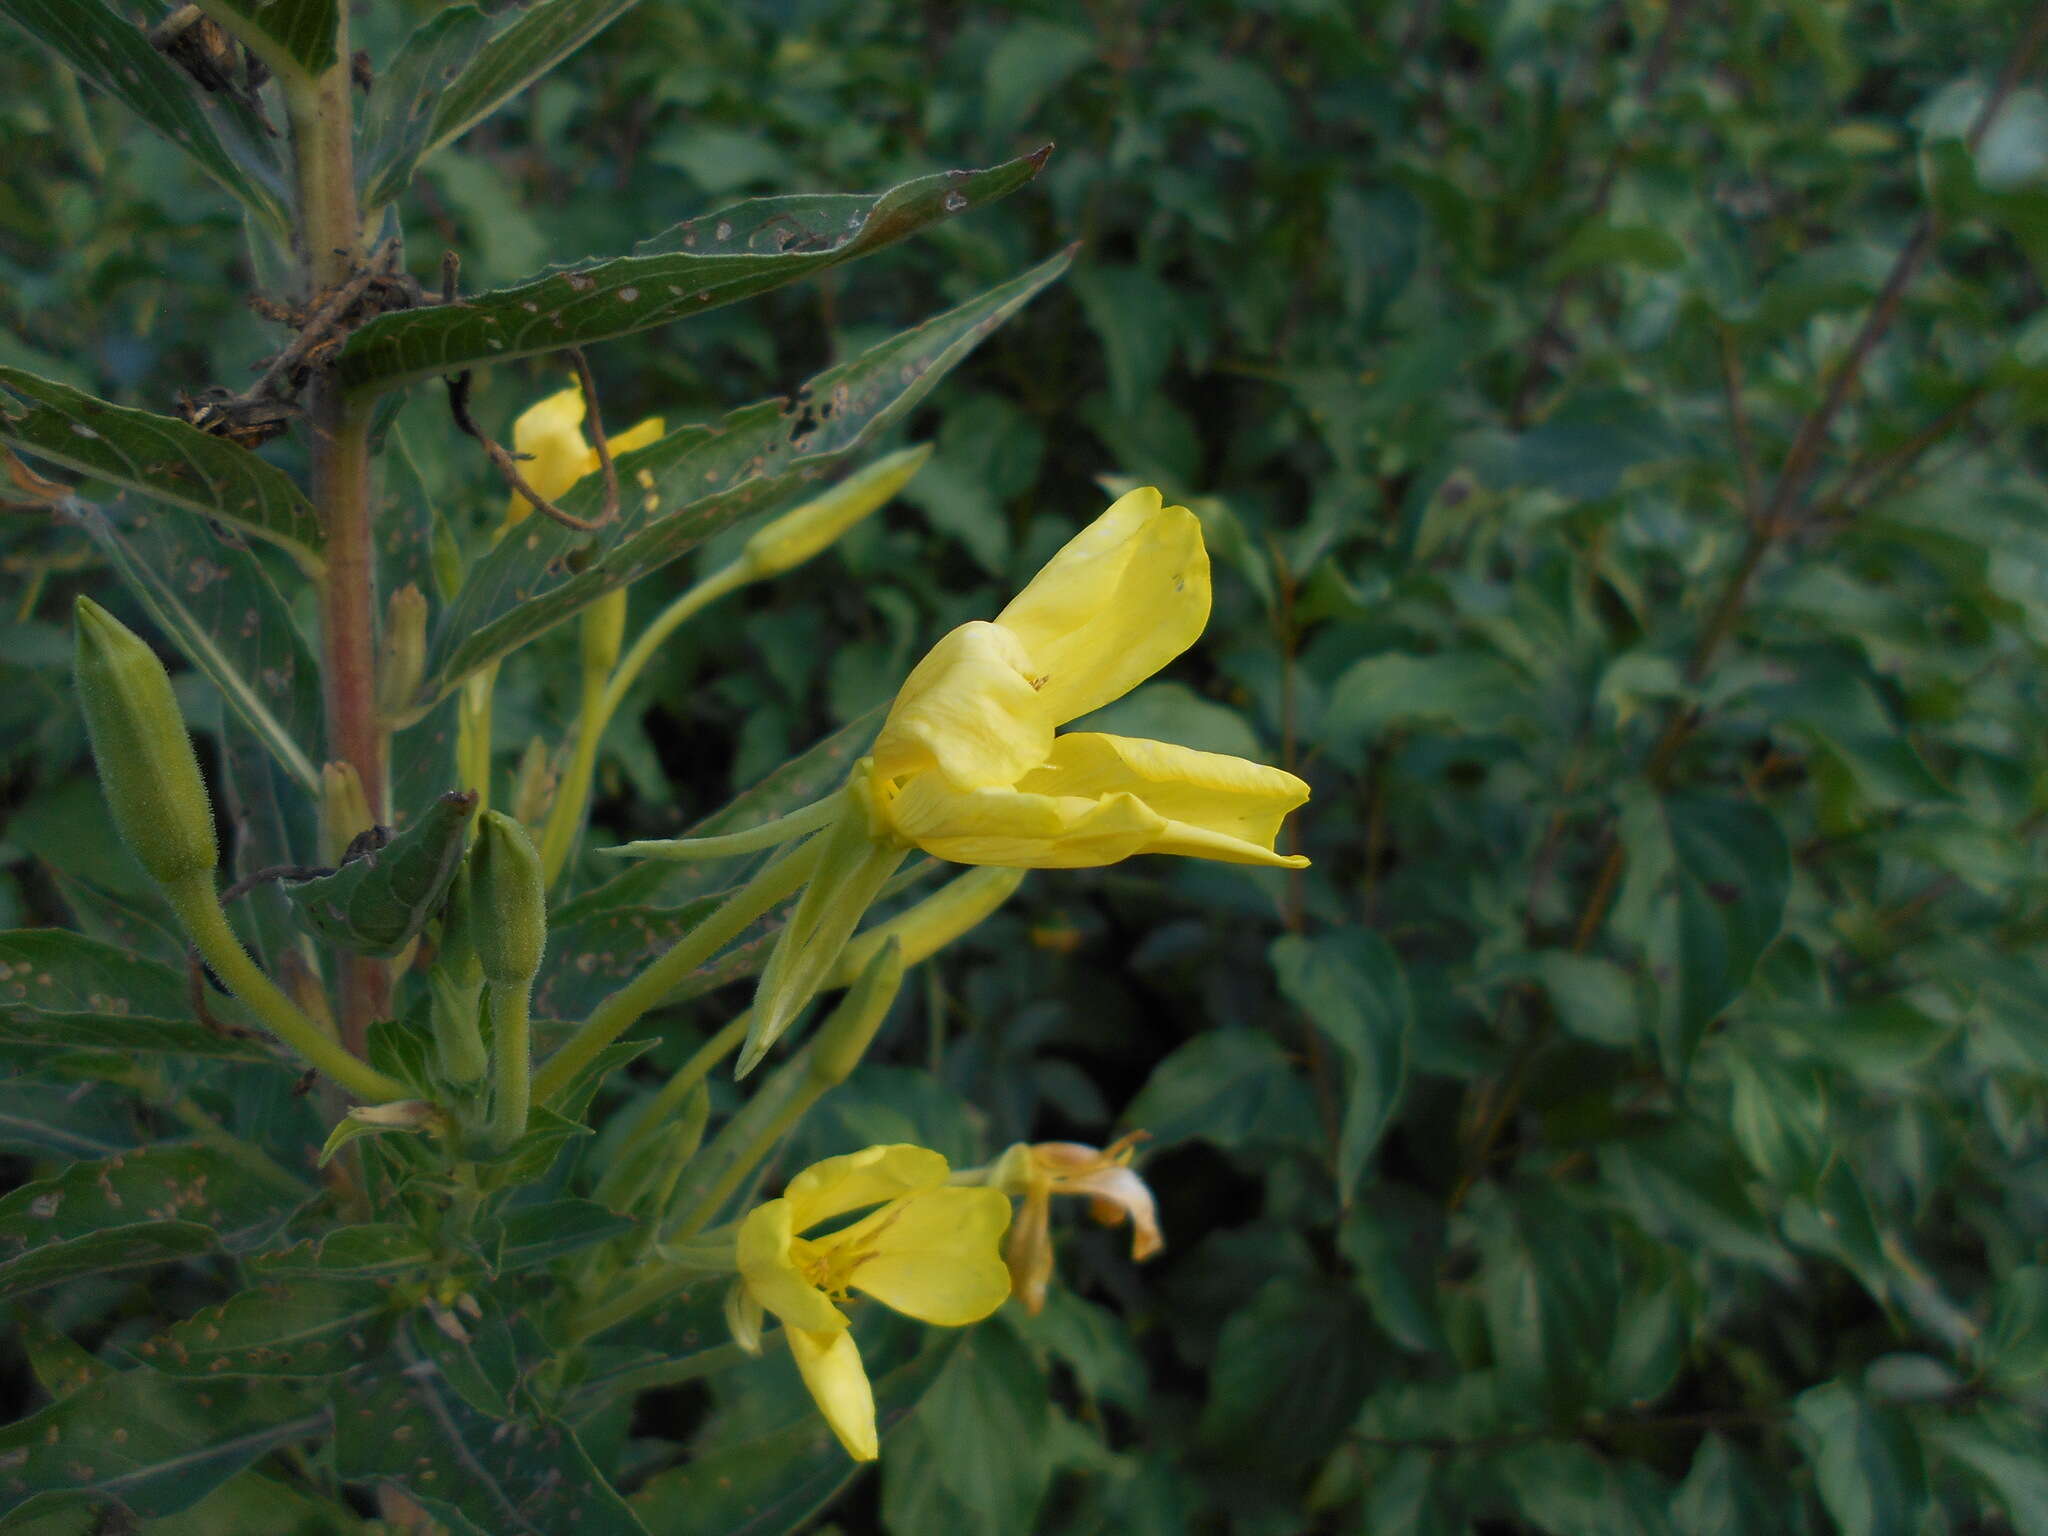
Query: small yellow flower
1102	1174
555	453
968	766
929	1251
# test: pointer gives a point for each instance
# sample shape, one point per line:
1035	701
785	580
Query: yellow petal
831	1368
1115	1193
1027	831
639	435
767	1248
1125	596
868	1177
552	432
968	710
1215	806
934	1255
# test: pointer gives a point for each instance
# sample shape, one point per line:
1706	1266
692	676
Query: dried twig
507	465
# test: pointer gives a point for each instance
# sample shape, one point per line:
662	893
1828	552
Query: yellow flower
968	766
555	453
1102	1174
928	1251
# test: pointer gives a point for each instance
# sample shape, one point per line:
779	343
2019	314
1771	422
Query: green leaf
476	1353
404	107
1466	691
698	265
1230	1087
160	456
1351	986
2005	1456
143	1443
61	1367
773	1484
535	1234
213	596
316	1326
1722	1495
974	1455
1030	61
1263	1408
63	989
1550	1286
1599	246
115	55
1868	1476
758	458
2015	1348
527	49
374	1248
51	1114
1394	1241
378	903
1734	872
301	30
167	1201
520	1476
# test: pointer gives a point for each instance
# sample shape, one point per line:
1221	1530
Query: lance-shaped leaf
163	1202
298	1327
213	596
374	1248
140	1444
377	903
545	35
717	259
115	55
403	108
519	1476
301	31
534	1234
756	460
64	989
159	456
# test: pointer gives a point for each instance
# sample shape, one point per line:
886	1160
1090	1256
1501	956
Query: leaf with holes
64	989
541	38
140	1444
758	459
301	30
297	1327
115	55
402	110
698	265
519	1476
166	1201
378	903
213	596
160	456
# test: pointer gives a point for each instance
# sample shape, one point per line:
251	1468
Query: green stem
199	909
511	1061
601	700
767	835
619	1012
668	1103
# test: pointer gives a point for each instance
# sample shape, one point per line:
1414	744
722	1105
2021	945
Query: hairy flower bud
508	903
402	652
791	539
140	745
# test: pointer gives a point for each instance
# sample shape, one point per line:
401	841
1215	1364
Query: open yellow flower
929	1251
968	766
1102	1175
554	452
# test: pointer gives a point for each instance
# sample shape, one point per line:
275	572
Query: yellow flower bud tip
968	765
402	650
928	1250
140	746
788	541
344	809
508	919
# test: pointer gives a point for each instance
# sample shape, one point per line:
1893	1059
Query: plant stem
617	1013
199	909
330	247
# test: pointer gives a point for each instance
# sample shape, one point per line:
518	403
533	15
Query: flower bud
844	1037
402	655
791	539
144	755
533	784
344	810
604	633
508	903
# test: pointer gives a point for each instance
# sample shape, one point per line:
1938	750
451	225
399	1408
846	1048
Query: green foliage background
1634	1121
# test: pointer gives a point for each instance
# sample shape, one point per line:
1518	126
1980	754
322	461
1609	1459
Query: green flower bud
402	651
794	537
847	1033
603	633
508	901
144	755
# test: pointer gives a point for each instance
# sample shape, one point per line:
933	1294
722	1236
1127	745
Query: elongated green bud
401	651
140	745
603	632
845	1036
508	901
791	539
533	784
935	922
